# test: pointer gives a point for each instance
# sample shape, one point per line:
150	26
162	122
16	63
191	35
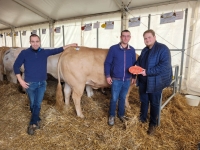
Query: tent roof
16	13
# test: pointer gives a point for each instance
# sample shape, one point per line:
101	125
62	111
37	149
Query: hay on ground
180	124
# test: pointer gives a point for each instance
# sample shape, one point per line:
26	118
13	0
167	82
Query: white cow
2	52
8	62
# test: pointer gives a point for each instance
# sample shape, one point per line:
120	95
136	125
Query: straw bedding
180	124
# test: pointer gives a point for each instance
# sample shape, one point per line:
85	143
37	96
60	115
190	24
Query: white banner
24	33
57	29
43	31
88	27
109	25
167	18
133	22
179	15
96	25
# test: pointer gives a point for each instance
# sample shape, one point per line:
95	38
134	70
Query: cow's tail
59	93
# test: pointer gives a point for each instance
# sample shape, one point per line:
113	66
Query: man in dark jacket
35	64
155	58
120	57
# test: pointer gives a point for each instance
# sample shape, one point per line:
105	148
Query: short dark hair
34	35
149	31
125	31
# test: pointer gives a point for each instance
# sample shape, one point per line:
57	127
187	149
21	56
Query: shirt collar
128	47
39	49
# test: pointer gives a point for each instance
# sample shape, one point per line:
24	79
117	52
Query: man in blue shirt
155	58
35	64
116	67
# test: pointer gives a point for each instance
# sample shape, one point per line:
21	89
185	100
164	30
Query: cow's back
10	56
84	66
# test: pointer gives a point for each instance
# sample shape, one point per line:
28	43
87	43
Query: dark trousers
154	100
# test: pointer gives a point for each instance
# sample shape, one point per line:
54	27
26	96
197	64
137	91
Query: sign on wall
133	22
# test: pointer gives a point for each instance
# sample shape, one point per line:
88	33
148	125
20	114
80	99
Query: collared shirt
128	46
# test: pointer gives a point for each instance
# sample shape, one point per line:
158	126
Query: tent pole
5	38
13	40
51	33
20	38
183	49
40	37
63	30
97	37
149	21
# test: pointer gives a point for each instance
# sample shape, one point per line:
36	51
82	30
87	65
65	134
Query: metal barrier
175	85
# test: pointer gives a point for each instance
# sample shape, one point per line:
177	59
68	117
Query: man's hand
109	80
143	72
24	84
69	45
133	81
21	81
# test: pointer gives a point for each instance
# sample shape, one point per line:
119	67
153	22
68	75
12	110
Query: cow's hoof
81	116
66	108
90	94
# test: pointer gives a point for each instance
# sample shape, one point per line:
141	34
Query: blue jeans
119	90
36	93
154	100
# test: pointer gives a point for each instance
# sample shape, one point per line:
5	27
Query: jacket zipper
146	69
124	64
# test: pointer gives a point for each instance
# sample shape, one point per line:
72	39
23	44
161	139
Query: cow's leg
103	91
1	73
23	89
67	93
127	96
12	77
1	77
89	91
76	96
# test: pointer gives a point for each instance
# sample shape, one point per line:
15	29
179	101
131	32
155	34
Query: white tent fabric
25	38
7	39
72	32
107	37
191	79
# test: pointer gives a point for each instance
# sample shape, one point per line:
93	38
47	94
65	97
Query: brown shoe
151	130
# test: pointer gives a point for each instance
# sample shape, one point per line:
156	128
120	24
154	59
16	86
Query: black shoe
31	129
123	118
151	130
38	125
142	121
198	148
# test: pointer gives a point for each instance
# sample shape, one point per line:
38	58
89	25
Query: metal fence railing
174	83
